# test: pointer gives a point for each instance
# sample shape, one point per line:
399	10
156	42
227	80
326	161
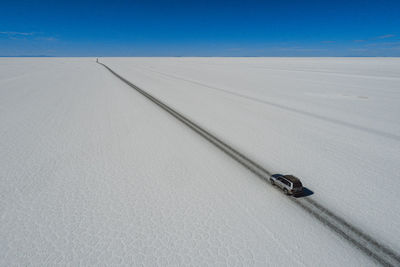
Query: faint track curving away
367	244
287	108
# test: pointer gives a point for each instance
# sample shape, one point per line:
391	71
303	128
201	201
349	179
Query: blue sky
200	28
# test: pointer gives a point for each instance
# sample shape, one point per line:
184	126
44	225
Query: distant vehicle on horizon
290	184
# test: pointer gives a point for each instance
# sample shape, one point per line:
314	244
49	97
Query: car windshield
297	184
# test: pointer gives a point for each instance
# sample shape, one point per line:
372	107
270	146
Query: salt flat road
367	244
93	173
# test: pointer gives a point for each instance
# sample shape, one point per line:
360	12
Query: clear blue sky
200	28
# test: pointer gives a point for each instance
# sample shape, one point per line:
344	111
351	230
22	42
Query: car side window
285	182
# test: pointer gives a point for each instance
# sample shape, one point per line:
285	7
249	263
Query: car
290	184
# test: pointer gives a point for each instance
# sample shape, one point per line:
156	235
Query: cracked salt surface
94	174
285	113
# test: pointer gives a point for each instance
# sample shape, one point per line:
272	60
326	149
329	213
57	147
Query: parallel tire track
367	244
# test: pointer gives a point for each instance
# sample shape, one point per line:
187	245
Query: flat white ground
334	122
93	173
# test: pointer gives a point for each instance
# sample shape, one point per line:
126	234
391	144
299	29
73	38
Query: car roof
292	178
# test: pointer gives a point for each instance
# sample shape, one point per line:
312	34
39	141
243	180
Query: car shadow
305	193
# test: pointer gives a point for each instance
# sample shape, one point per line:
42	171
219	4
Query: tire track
355	236
365	129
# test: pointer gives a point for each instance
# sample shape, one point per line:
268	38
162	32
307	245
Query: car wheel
286	191
272	181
